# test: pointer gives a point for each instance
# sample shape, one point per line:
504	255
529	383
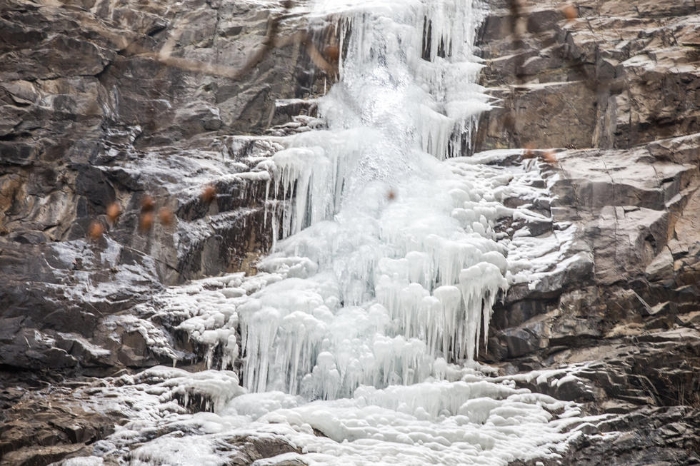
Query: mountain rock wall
117	101
134	104
604	96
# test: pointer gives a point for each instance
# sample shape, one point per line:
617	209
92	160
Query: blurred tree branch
271	40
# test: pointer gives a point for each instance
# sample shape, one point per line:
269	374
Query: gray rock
661	267
612	89
90	115
519	342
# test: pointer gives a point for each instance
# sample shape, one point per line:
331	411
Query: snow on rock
477	420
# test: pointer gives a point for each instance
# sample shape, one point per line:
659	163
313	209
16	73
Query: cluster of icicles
389	266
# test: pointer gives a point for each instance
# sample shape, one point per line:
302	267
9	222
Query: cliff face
115	102
94	110
613	89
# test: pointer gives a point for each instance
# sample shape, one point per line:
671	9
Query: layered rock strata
127	103
609	89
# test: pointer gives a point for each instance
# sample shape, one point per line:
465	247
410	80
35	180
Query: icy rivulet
365	321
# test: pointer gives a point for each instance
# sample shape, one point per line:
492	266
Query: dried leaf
549	156
146	221
529	152
95	230
114	210
147	204
208	194
570	12
166	216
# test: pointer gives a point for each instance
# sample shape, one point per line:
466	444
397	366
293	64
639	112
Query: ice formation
365	321
478	420
388	262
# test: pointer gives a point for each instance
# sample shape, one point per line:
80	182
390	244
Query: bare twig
164	55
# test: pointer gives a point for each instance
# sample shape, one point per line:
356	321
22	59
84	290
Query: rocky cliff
127	104
603	94
105	102
131	104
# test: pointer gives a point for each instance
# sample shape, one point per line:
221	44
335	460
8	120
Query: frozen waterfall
389	265
356	341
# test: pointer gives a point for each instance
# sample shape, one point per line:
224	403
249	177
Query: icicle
479	285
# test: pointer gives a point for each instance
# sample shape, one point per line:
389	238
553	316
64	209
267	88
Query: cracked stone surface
613	93
91	115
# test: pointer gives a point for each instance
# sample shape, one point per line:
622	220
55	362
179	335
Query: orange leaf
114	210
166	216
95	230
146	222
208	194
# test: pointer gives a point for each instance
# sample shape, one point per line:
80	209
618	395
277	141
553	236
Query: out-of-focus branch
270	41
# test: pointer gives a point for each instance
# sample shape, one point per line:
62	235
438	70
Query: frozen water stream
390	263
356	342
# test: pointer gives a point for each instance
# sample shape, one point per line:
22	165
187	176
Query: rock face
128	103
115	102
611	90
42	424
106	103
92	114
